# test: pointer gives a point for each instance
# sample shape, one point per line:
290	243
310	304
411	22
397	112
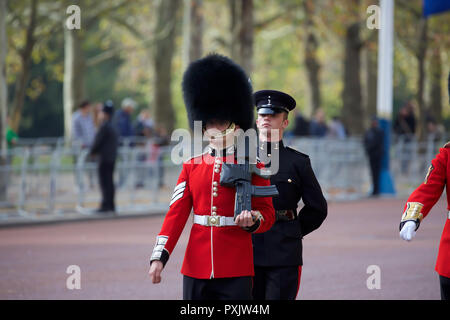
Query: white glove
408	231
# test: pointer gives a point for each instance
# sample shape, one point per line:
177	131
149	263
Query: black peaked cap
273	101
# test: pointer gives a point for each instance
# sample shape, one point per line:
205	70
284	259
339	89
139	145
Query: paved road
113	257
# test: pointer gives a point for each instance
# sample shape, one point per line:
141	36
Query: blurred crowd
403	124
318	126
86	121
101	129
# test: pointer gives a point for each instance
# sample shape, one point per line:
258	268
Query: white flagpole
385	89
385	60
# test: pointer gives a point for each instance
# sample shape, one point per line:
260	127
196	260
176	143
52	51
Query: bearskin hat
215	87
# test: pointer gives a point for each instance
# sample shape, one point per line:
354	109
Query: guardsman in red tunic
218	262
419	205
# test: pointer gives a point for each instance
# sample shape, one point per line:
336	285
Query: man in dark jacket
373	143
105	146
278	252
122	119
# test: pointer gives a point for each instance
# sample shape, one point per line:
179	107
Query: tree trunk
73	86
192	31
241	29
3	98
164	48
187	25
196	34
435	94
3	83
246	36
234	21
24	76
235	14
370	90
311	61
421	55
353	111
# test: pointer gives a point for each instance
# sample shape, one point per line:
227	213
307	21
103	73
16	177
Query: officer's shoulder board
297	152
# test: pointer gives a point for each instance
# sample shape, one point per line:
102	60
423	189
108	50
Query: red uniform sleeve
179	209
429	192
263	205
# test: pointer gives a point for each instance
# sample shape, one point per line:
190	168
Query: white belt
448	215
214	221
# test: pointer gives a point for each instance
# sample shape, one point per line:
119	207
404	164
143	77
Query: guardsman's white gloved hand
408	231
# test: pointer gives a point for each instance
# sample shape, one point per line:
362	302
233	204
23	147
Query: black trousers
238	288
105	175
375	170
445	287
276	283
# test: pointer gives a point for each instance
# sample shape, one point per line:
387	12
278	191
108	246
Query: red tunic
212	252
428	193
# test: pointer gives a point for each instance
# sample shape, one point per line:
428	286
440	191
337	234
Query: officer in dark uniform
105	146
278	252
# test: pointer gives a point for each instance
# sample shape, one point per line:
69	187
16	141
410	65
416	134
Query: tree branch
93	18
405	4
258	25
144	44
135	32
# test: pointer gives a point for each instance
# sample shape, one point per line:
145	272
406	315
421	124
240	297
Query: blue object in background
431	7
386	181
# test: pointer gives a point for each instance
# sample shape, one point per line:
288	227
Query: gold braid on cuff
413	212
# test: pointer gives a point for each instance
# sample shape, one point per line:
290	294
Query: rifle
240	177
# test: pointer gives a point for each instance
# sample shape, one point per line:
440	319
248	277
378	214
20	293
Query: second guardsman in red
419	205
218	262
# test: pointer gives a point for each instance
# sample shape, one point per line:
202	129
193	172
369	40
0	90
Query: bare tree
3	97
242	30
421	53
197	25
25	59
246	36
75	62
352	110
369	84
347	24
414	34
435	91
234	28
193	25
311	45
163	56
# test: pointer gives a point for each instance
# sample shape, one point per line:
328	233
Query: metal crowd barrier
43	180
340	166
43	177
410	160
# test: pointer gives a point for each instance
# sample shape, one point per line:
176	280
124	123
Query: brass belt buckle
213	221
